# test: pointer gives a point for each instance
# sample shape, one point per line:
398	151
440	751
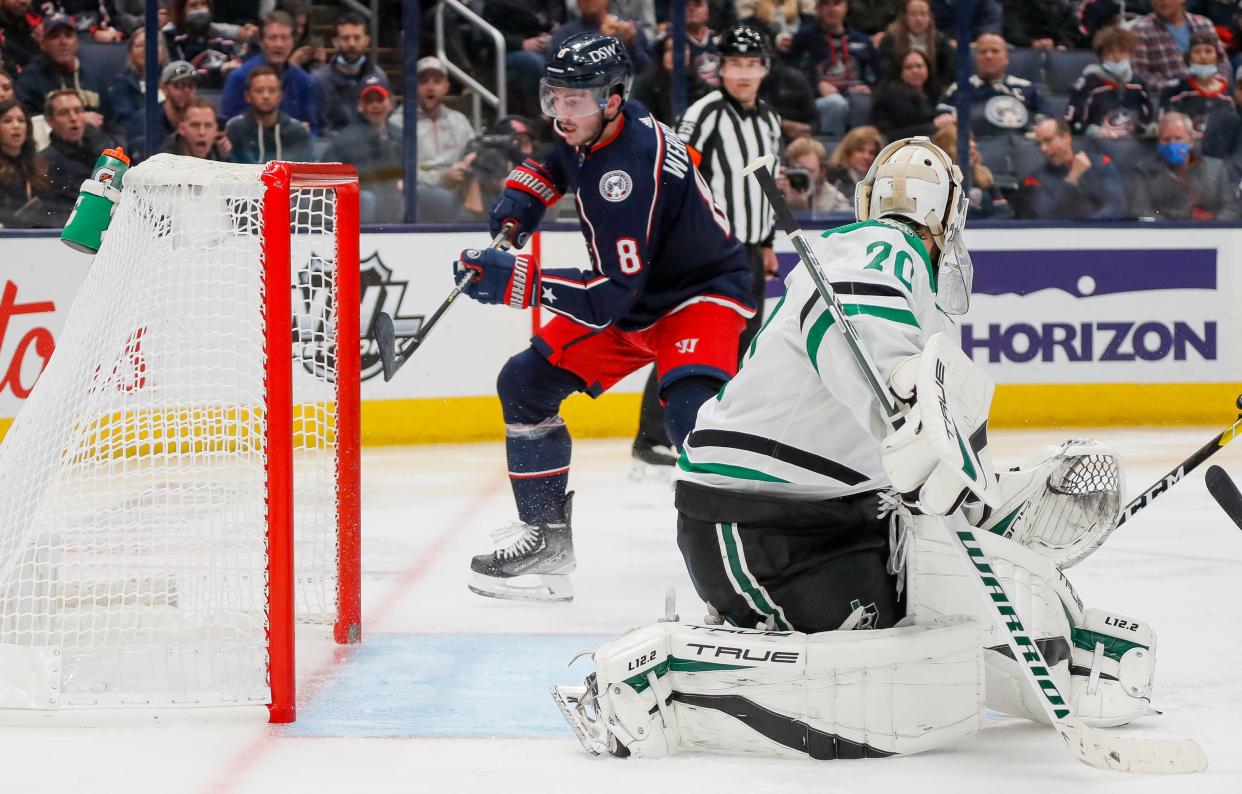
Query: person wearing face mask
339	82
1203	91
1164	40
1178	183
191	36
1109	100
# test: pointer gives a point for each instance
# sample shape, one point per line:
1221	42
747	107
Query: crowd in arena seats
1079	109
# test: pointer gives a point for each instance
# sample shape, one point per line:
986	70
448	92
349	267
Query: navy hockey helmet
599	64
743	41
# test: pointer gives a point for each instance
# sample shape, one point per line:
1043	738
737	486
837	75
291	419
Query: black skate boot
535	566
652	461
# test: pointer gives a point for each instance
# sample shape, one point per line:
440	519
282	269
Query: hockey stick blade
1223	489
386	341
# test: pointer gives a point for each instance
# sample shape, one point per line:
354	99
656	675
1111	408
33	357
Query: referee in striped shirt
726	129
729	128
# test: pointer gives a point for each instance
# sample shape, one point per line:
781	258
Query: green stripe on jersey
815	336
725	470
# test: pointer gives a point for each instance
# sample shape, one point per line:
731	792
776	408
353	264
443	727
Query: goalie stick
392	359
1091	746
1223	489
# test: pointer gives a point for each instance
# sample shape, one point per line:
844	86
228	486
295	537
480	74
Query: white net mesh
132	518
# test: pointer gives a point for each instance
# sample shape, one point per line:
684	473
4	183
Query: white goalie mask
913	179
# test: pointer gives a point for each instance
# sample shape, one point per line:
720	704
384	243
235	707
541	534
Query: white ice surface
446	693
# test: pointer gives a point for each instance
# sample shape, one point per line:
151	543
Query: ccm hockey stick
392	359
1185	467
1222	488
1089	745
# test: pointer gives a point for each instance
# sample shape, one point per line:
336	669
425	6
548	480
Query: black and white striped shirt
730	137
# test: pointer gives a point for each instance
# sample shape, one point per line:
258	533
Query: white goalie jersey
800	421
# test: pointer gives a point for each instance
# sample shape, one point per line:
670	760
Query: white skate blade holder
526	587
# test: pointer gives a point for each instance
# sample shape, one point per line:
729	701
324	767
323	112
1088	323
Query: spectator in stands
779	20
297	87
1203	91
1000	103
339	81
443	135
1042	24
374	148
307	53
853	157
1223	136
593	17
191	36
986	199
527	27
704	59
787	90
838	60
199	134
179	84
1070	185
6	87
643	12
128	89
1164	39
1109	100
914	29
1178	183
95	18
20	43
872	16
73	148
57	68
986	17
264	133
904	105
24	187
804	180
654	87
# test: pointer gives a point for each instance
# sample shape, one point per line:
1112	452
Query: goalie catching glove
499	277
938	457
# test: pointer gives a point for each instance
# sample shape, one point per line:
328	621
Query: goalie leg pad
838	694
1104	670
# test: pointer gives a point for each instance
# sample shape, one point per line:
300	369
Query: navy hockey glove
499	277
528	192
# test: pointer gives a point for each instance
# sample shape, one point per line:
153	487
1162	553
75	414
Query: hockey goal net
183	479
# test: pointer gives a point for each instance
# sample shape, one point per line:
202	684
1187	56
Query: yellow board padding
461	419
455	419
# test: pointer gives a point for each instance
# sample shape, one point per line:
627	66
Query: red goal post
182	483
283	179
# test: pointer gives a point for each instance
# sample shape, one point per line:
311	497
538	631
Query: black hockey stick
1090	745
1185	467
1223	489
392	359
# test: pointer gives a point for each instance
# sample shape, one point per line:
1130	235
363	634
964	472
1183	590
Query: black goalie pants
805	566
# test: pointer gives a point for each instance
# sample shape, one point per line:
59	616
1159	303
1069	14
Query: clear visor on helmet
560	102
955	277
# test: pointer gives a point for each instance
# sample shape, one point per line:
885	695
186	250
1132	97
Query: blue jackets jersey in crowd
656	239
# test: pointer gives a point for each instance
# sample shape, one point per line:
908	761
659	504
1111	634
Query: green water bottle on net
96	199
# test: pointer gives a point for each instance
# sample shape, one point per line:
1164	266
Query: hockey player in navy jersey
667	282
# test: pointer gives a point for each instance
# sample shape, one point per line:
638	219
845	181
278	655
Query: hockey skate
535	566
652	461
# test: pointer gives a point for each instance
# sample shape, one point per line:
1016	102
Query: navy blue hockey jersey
656	239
